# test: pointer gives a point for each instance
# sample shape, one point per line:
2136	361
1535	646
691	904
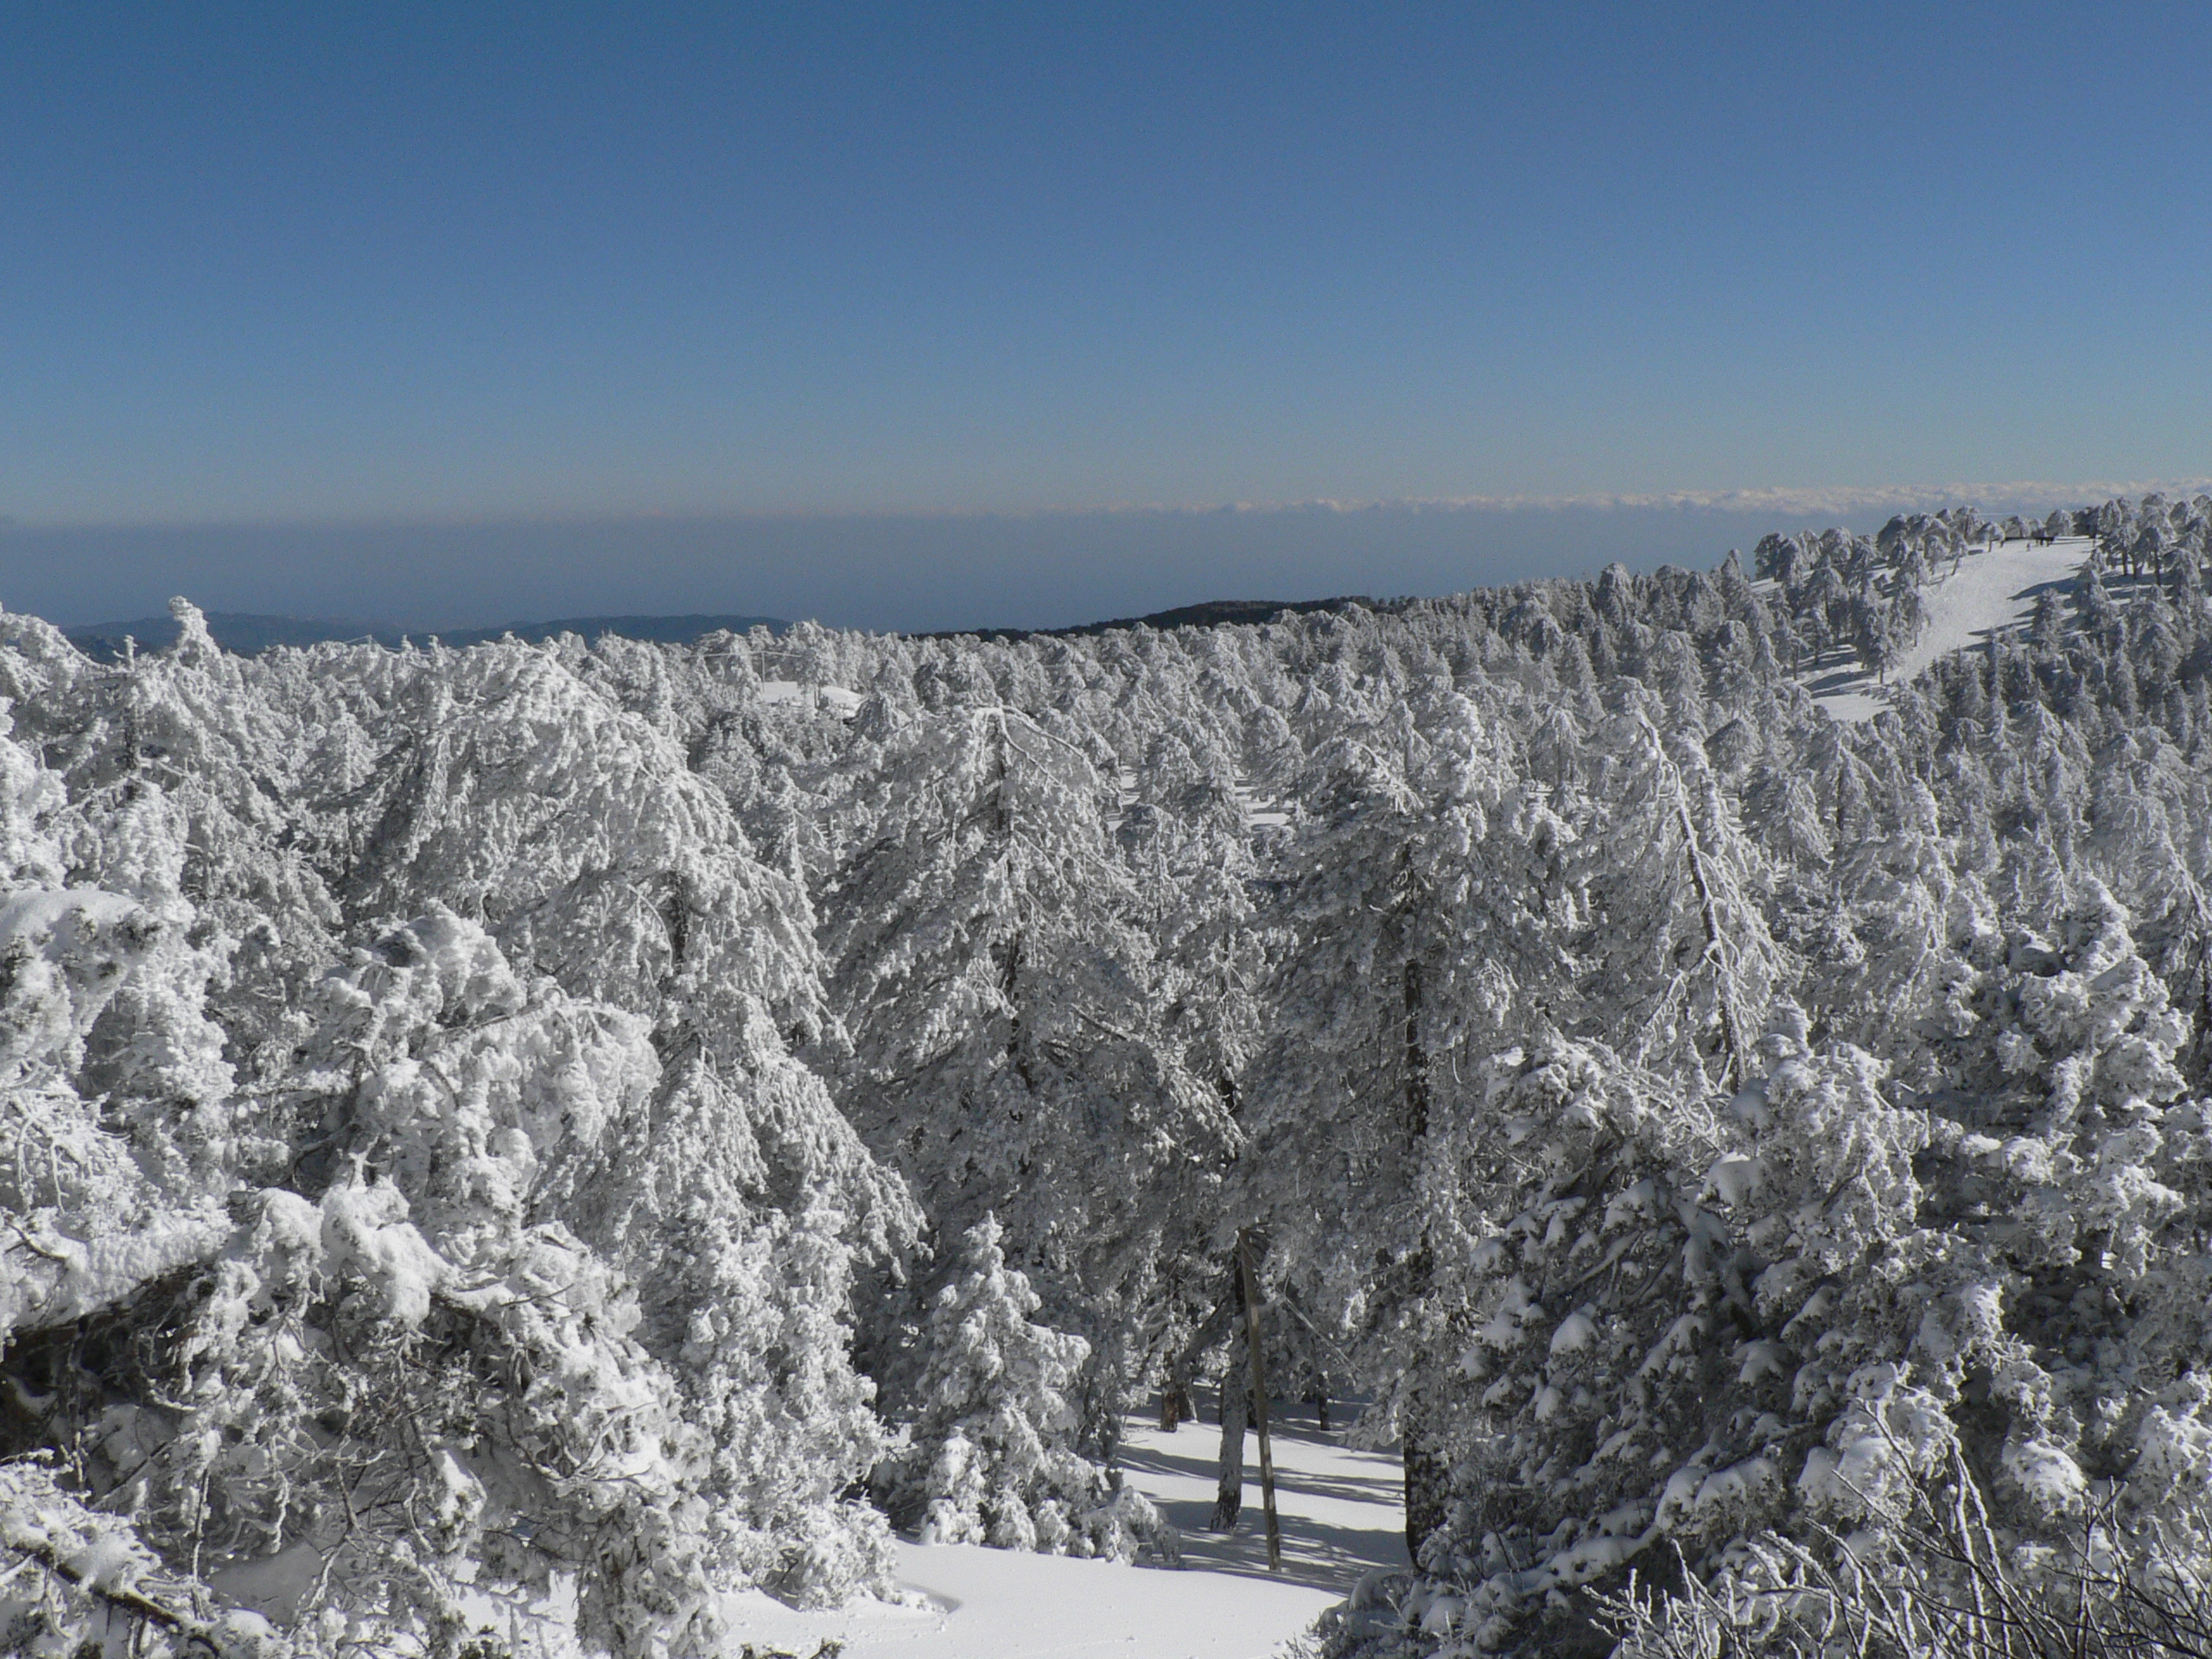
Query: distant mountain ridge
1207	614
249	634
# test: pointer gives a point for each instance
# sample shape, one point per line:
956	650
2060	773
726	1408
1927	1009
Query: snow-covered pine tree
186	791
992	1456
1680	962
1423	912
1012	1051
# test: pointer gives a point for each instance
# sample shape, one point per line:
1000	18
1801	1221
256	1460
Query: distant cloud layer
1836	500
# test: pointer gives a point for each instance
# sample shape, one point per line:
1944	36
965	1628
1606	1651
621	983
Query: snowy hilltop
540	1146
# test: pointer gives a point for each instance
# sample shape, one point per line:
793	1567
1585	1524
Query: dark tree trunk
1427	1480
1251	1288
1425	1473
1416	1059
1175	1398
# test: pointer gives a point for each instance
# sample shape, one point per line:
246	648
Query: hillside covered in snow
575	1145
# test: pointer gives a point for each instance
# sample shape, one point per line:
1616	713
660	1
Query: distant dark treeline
1211	613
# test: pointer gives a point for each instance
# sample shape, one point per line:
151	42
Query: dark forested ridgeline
619	1115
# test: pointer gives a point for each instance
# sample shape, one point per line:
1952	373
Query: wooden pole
1259	1396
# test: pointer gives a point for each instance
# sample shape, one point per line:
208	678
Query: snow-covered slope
1994	588
1340	1518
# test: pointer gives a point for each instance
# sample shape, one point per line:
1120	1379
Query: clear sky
428	263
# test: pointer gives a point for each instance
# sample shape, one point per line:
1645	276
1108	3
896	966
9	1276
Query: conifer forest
593	1124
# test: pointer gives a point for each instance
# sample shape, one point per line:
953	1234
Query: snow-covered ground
1994	588
1260	812
837	699
1340	1518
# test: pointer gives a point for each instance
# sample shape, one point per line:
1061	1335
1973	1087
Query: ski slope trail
1993	589
1341	1517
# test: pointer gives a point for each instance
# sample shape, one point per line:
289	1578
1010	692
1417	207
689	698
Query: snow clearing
1991	589
1341	1517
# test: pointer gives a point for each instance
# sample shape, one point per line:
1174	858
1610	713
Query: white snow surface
1341	1517
1260	811
1995	589
838	700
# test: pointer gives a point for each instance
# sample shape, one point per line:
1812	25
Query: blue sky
419	264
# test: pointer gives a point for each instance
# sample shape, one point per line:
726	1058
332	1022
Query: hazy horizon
916	573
